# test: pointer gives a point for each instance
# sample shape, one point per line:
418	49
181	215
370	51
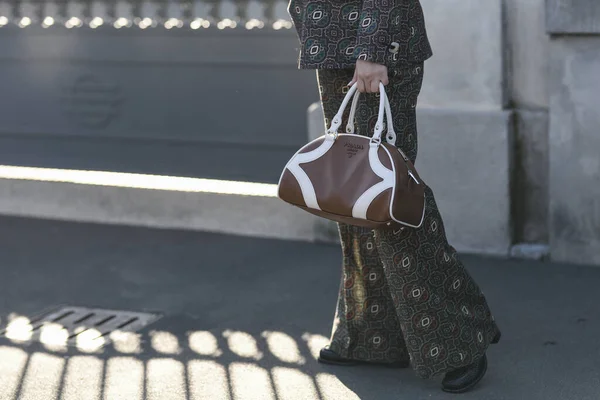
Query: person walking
405	298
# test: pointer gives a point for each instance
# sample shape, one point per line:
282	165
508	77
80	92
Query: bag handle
379	125
336	122
353	107
391	134
384	104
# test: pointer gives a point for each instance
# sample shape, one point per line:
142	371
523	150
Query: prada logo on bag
353	149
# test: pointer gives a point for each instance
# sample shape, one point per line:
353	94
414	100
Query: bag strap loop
384	108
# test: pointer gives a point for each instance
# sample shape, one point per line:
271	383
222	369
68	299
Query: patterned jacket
335	33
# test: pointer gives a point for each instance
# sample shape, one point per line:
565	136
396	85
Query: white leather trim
366	199
308	190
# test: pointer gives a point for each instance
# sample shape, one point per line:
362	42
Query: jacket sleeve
373	37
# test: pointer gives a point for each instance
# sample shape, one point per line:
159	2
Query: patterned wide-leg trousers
404	294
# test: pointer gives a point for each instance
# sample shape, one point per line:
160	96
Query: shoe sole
342	363
470	385
354	363
496	339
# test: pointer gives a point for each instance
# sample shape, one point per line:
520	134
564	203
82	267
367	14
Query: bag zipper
412	176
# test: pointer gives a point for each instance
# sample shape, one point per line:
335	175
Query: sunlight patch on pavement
139	181
19	328
90	341
332	389
284	347
165	342
126	342
124	379
204	343
42	378
83	379
315	343
242	344
12	364
292	384
165	380
54	337
250	382
208	380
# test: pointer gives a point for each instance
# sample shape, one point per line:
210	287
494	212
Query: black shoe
464	379
496	338
327	356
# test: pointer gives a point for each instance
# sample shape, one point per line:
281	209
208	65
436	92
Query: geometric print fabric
404	293
334	34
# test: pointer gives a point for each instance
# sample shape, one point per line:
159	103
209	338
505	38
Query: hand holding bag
355	179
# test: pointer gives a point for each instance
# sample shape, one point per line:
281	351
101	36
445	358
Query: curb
267	217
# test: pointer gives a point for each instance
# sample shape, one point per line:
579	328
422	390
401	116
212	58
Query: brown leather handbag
354	179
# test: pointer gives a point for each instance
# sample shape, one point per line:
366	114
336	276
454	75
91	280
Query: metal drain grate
79	324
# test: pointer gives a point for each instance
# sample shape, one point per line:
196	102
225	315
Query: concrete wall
512	97
171	102
465	128
498	61
466	71
574	145
527	45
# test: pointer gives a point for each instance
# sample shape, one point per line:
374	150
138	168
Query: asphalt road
243	318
